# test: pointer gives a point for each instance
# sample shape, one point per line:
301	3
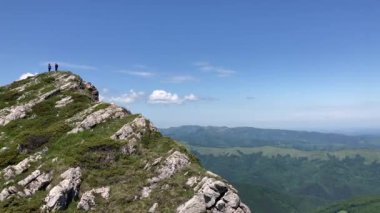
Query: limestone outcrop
100	116
172	164
213	196
62	194
87	201
135	129
63	102
13	170
18	112
28	186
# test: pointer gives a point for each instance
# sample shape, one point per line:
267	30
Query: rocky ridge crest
63	149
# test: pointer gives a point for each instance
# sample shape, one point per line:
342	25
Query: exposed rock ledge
37	180
13	170
175	162
87	201
63	102
18	112
100	116
62	194
135	129
213	196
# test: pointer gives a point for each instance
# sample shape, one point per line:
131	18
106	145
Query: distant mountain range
290	171
211	136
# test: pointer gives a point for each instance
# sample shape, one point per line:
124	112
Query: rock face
100	116
213	196
60	195
135	129
132	132
13	170
93	90
63	102
37	180
87	201
8	192
172	164
18	112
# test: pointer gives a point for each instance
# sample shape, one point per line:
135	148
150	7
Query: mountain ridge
252	137
62	149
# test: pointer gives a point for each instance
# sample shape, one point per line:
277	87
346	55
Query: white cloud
65	65
219	71
190	97
127	98
105	90
139	73
164	97
181	79
26	75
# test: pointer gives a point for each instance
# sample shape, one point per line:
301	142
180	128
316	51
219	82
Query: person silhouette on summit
49	67
56	67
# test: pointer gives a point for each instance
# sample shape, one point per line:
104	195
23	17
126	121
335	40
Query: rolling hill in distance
290	171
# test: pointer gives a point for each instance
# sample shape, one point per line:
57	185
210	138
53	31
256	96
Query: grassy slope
89	150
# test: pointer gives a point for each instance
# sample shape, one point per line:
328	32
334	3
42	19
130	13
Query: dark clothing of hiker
49	67
56	67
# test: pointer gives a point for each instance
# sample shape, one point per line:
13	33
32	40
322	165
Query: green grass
99	157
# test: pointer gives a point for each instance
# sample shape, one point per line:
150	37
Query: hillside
62	149
254	137
289	174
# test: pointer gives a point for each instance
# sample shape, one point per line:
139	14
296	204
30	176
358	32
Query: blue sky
297	64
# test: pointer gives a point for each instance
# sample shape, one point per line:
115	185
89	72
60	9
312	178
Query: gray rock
87	201
63	102
60	195
134	129
213	196
3	149
145	192
232	199
13	170
196	204
34	182
18	112
192	181
172	164
153	208
175	162
8	192
100	116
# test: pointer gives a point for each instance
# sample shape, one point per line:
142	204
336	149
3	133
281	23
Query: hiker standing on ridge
49	67
56	67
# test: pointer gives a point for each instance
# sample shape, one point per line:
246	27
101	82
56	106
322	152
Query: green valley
300	172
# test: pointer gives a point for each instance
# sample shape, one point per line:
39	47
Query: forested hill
254	137
290	171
